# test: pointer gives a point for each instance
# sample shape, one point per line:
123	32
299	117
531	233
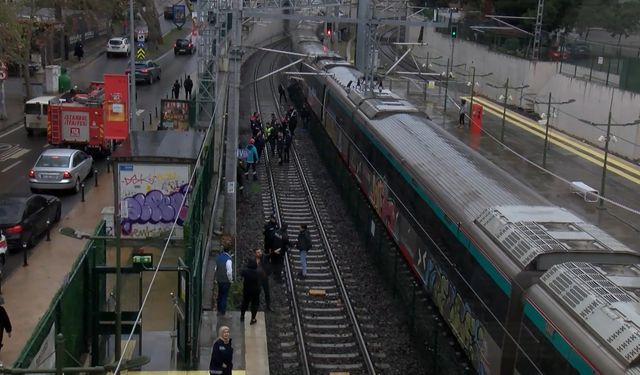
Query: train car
525	286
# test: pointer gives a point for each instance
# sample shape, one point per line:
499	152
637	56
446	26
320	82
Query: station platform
568	161
28	292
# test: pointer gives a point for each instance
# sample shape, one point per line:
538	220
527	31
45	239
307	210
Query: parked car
579	50
60	169
118	46
24	219
183	46
558	53
146	71
168	13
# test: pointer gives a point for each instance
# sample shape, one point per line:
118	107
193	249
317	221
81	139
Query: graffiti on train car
384	204
470	333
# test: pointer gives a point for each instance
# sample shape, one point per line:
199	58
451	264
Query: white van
35	113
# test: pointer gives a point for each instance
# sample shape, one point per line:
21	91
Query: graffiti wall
151	197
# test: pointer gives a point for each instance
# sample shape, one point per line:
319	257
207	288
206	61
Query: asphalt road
18	152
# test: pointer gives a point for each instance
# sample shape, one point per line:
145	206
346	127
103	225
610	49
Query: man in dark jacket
188	86
270	229
264	270
78	50
303	244
5	322
287	145
250	290
176	90
282	93
280	146
279	248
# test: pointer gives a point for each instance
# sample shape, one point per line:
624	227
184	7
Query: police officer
270	228
279	248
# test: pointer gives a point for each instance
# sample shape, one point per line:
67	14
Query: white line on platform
11	131
11	166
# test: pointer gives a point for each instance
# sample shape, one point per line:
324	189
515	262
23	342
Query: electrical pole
603	182
546	128
504	103
132	77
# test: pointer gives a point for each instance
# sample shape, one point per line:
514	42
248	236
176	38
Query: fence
70	313
195	232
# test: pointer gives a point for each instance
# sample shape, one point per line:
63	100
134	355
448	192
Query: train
526	286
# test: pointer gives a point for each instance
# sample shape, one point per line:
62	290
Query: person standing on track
303	245
270	135
279	248
252	159
280	146
260	144
287	145
270	228
250	290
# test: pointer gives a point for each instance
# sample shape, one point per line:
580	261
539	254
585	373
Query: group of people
278	133
188	87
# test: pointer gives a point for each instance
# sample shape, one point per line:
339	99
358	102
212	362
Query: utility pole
546	128
607	138
132	78
504	103
473	84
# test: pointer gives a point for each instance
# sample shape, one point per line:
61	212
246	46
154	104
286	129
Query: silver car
60	169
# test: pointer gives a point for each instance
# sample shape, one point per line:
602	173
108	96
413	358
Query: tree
16	36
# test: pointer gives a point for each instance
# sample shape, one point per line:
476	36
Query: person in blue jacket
252	158
222	354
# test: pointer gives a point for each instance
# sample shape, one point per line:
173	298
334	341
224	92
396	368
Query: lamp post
132	75
546	127
504	103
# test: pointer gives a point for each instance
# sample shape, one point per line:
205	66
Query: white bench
588	193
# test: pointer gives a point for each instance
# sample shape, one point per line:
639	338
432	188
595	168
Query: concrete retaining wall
592	99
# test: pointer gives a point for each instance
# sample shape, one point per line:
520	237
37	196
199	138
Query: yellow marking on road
614	164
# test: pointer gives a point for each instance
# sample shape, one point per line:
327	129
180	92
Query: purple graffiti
155	207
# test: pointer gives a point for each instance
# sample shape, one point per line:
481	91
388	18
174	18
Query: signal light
454	31
329	29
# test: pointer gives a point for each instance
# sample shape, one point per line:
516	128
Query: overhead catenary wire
210	128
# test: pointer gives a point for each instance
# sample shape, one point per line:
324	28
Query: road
18	152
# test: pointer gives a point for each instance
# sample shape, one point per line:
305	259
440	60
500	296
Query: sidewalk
14	86
29	291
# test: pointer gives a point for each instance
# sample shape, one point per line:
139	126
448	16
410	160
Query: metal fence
195	232
70	312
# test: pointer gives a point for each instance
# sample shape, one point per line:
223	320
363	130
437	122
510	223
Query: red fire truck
76	119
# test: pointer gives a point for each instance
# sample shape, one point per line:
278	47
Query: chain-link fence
70	313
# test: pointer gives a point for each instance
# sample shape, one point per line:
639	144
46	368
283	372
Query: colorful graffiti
469	331
383	203
154	207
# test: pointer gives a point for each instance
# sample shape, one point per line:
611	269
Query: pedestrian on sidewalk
188	86
282	93
78	50
262	260
176	90
250	290
223	274
303	245
5	322
462	112
222	353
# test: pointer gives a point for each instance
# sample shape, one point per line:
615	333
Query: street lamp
546	128
606	139
504	104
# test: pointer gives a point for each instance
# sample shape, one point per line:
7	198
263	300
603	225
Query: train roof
524	232
595	298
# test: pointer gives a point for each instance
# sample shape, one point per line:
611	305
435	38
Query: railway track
327	333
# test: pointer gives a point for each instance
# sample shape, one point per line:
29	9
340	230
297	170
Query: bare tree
16	36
